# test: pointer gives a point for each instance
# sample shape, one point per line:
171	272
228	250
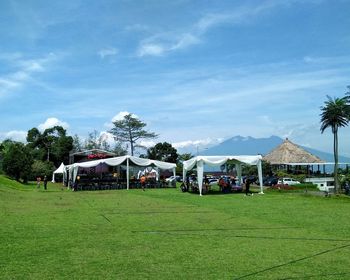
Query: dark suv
270	181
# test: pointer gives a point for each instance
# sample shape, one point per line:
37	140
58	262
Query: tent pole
200	170
127	173
260	177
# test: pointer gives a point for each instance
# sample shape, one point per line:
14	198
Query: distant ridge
239	145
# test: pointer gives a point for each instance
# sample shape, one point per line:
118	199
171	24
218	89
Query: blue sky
196	72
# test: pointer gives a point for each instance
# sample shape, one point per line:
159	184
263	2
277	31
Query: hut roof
289	152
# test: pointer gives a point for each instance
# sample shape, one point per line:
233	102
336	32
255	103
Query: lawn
166	234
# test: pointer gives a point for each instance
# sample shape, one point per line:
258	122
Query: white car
288	181
172	178
213	181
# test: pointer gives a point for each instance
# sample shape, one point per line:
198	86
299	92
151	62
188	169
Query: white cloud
51	122
147	144
106	52
151	49
108	137
15	135
185	41
25	69
160	44
166	42
210	20
201	143
119	117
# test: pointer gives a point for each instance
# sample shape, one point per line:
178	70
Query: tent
149	171
59	170
200	161
289	153
72	170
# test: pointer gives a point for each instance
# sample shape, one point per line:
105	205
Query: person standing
38	181
45	182
143	182
247	187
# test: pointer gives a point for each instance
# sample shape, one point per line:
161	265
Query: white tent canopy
59	170
199	161
73	168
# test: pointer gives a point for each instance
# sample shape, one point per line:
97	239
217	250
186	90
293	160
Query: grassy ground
166	234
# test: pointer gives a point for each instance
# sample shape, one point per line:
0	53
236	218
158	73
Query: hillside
6	182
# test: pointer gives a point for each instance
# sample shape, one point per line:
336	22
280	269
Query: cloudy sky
194	71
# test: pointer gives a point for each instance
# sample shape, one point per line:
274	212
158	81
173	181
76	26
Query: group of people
38	182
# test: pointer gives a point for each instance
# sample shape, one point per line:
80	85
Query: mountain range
239	145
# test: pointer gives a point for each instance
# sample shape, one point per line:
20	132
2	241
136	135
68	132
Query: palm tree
335	114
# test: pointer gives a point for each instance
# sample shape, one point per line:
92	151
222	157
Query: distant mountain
239	145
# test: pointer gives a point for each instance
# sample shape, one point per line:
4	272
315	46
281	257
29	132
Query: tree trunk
335	145
132	148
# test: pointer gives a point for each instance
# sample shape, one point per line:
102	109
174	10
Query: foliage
96	141
180	160
51	145
335	114
343	179
163	152
42	168
77	144
129	130
249	170
17	160
184	157
119	150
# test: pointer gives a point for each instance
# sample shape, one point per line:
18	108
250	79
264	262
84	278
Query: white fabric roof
219	160
73	168
119	160
199	161
59	169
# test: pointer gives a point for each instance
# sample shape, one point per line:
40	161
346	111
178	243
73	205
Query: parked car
270	181
172	178
253	179
288	181
213	181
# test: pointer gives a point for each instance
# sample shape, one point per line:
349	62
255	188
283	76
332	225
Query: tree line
44	151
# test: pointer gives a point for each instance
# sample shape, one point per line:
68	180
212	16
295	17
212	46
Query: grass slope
166	234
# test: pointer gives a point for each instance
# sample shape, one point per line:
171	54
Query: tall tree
335	114
77	144
129	130
93	140
164	152
51	145
17	160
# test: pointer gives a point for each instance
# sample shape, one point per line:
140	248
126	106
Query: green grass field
166	234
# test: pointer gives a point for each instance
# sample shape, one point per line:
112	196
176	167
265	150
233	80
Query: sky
196	72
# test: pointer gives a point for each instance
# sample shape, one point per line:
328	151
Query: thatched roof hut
290	153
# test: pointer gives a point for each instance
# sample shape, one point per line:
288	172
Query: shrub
41	168
17	160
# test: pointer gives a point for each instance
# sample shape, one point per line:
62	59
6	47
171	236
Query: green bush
17	160
41	169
